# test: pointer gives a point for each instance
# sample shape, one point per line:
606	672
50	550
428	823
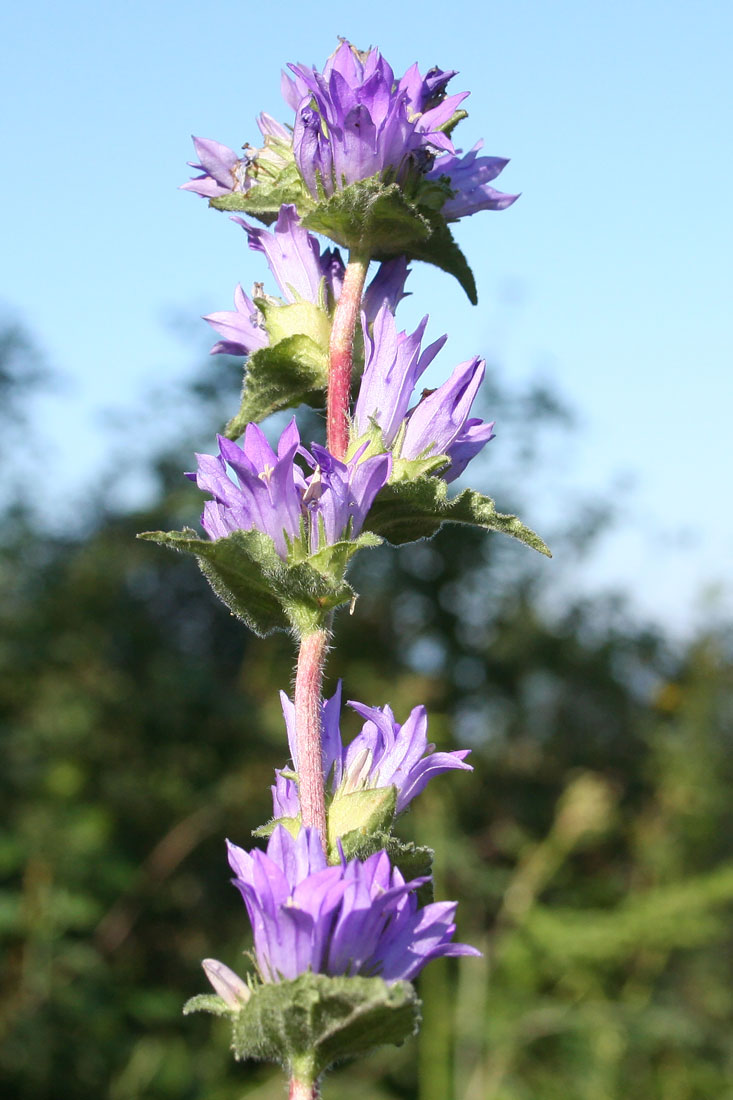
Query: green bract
405	511
267	593
308	1024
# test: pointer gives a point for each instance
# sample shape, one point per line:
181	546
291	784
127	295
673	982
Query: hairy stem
303	1090
308	680
341	352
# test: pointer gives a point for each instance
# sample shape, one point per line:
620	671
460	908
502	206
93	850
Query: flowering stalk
341	353
338	903
308	681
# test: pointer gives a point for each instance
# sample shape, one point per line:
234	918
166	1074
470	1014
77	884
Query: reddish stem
341	352
308	680
302	1090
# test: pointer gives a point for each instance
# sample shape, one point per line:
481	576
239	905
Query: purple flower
272	493
469	178
267	495
355	119
383	754
223	171
340	494
439	423
243	328
294	258
386	288
393	366
358	918
302	272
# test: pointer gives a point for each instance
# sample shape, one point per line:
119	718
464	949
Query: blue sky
610	278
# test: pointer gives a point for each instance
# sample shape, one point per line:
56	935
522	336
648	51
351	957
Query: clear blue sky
611	276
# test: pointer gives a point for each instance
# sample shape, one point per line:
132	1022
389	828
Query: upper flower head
272	494
355	119
355	918
384	753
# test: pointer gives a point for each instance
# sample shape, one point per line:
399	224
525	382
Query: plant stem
308	680
303	1090
341	352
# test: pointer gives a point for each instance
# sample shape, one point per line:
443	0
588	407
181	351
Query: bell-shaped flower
243	328
355	120
341	493
295	259
357	918
266	496
272	493
469	177
223	171
393	364
384	753
439	424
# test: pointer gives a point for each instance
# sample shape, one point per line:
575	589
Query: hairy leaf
408	510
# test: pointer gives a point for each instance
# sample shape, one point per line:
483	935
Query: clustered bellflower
313	911
353	120
383	754
272	494
439	423
357	918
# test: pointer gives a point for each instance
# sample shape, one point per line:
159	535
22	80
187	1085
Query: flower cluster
355	120
357	918
439	424
273	495
383	754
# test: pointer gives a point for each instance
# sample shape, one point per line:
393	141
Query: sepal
208	1002
381	220
356	816
292	824
409	510
267	593
308	1024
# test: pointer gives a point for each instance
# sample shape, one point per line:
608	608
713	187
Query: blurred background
592	846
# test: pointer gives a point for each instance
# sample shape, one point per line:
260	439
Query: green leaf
370	217
314	1021
293	372
207	1002
440	249
265	198
410	510
247	573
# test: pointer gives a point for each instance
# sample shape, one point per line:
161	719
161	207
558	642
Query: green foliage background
591	848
